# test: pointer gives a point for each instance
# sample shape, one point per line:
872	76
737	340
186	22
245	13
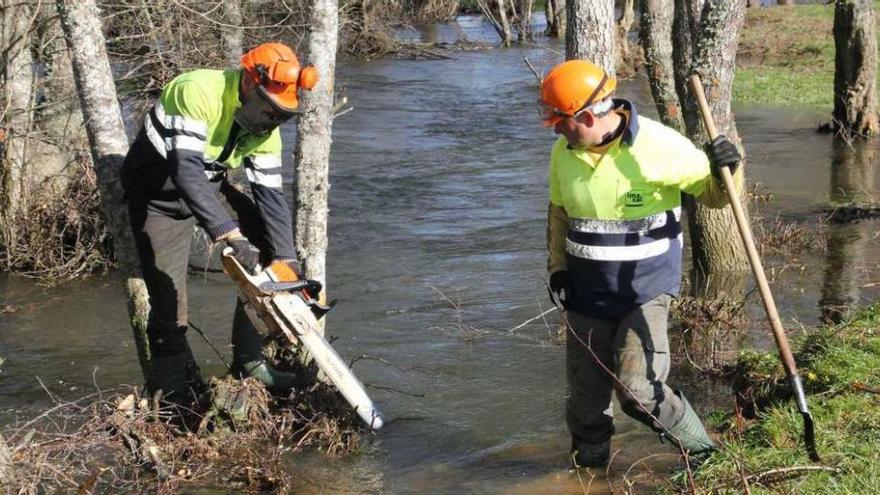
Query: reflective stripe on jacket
615	217
189	141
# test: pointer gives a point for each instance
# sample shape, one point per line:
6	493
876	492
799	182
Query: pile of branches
118	442
62	236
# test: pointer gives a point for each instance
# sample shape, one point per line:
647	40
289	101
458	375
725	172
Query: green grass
786	56
847	419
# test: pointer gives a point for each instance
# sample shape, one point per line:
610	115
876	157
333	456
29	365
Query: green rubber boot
247	355
692	435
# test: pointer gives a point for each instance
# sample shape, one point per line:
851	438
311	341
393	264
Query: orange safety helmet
571	87
275	69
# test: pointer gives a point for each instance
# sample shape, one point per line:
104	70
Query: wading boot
175	373
691	436
247	355
589	455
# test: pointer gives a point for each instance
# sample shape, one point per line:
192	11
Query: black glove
560	288
246	253
722	153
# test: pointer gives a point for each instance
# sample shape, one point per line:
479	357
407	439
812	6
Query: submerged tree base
117	442
763	444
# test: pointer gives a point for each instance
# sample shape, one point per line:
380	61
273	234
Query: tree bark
18	113
312	157
550	15
232	33
524	21
81	23
624	24
855	67
506	32
705	39
656	36
560	17
591	33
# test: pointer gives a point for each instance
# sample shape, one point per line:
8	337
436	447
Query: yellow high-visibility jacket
615	216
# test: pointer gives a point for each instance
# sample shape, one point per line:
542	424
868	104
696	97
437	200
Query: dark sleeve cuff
220	230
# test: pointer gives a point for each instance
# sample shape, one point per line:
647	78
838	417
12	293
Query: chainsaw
289	308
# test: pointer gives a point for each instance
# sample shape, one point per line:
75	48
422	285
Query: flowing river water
437	210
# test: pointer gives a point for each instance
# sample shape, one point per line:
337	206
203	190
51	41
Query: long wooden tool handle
746	234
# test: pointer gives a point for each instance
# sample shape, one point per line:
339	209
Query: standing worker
205	123
615	249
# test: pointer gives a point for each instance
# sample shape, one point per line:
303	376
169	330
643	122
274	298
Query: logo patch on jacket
636	197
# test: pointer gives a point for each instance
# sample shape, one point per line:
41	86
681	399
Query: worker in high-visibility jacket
615	253
205	124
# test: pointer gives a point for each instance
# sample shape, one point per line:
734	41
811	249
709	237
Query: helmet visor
260	114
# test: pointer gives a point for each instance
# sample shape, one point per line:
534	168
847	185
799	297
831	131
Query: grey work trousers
635	348
163	244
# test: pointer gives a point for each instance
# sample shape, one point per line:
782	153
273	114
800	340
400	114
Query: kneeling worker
615	253
205	123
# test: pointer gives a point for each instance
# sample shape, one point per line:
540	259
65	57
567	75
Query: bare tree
81	23
554	11
231	32
590	34
656	37
524	21
17	113
855	67
313	140
704	41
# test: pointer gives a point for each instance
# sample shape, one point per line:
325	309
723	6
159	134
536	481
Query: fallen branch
780	474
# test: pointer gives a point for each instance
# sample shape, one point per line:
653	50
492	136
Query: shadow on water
439	186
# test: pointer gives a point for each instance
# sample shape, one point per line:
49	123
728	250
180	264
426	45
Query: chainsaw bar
287	313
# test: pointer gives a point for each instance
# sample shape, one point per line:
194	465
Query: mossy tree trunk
855	67
312	156
705	34
656	37
232	33
590	34
81	22
17	115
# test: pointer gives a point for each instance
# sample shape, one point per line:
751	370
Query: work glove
560	288
245	253
722	153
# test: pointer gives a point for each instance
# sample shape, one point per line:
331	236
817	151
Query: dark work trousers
163	241
636	349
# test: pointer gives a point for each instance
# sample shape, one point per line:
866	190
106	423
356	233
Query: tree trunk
81	22
17	113
506	33
560	15
5	464
550	15
232	33
705	40
855	67
624	24
591	32
524	21
656	35
312	158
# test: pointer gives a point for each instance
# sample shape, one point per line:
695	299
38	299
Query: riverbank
786	56
840	366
